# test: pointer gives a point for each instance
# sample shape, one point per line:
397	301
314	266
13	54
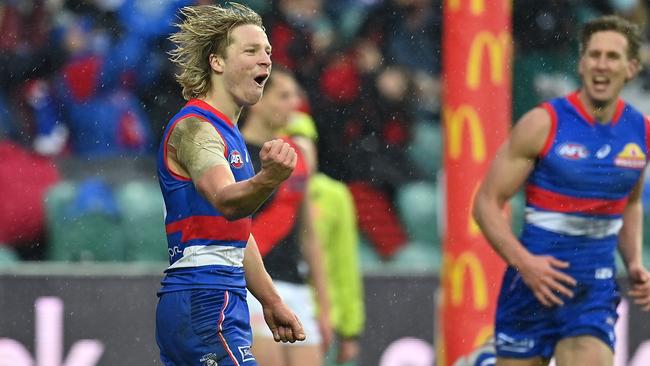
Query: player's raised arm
240	199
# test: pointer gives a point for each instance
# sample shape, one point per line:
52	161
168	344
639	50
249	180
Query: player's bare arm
194	146
510	168
630	246
282	322
198	152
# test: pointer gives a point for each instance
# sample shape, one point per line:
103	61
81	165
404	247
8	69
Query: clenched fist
278	161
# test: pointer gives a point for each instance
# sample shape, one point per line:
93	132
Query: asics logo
603	151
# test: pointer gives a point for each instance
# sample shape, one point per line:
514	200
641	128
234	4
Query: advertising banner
109	319
477	57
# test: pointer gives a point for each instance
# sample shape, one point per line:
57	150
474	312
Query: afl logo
235	159
572	151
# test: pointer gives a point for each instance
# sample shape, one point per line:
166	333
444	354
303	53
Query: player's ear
633	68
216	63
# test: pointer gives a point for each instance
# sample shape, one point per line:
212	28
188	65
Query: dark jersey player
285	235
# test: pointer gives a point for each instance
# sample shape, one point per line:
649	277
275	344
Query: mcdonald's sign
497	48
456	271
476	6
476	117
455	121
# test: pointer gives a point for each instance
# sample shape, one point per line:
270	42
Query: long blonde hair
204	31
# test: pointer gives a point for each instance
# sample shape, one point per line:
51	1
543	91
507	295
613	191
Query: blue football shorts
525	328
204	328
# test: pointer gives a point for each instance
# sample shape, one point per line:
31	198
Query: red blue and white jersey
576	194
206	250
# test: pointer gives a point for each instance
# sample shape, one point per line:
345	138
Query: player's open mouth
600	82
261	79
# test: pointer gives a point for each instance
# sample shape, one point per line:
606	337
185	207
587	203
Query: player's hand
640	286
348	350
283	323
542	275
278	161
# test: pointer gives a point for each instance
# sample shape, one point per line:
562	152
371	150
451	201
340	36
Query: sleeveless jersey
276	226
580	184
206	250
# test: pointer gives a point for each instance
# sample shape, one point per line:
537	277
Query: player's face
605	67
281	98
247	64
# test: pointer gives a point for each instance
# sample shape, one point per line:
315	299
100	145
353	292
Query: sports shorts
525	328
204	328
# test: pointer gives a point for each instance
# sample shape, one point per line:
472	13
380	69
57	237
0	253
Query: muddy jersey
206	250
276	226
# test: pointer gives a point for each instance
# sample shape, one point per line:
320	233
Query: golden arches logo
476	6
498	50
455	121
456	271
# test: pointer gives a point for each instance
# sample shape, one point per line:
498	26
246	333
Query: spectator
90	97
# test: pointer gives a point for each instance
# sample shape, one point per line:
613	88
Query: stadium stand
418	205
83	223
7	255
142	209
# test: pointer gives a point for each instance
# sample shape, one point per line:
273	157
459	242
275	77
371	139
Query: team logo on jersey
573	151
235	159
246	354
631	157
209	360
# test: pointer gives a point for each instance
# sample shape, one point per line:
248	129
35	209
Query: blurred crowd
90	80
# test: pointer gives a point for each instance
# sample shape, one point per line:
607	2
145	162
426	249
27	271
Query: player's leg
587	325
583	351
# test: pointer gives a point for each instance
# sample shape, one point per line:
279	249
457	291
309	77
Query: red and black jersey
276	225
